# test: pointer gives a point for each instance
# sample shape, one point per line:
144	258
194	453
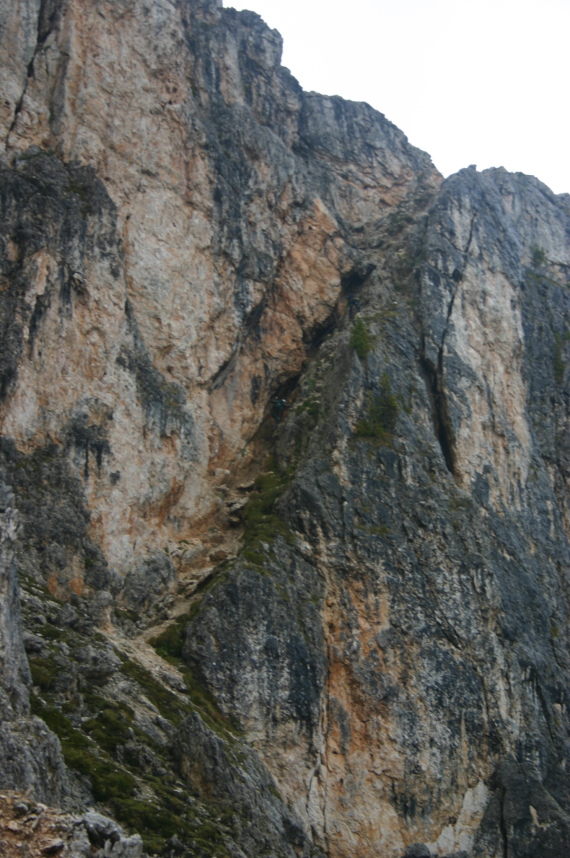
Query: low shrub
381	415
360	340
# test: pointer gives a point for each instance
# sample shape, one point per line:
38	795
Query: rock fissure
439	411
503	826
46	18
468	244
17	109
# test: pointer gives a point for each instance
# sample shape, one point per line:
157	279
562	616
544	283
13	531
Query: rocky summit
284	461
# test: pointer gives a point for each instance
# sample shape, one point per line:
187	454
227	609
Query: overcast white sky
482	82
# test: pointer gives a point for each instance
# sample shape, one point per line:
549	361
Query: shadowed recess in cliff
439	412
318	333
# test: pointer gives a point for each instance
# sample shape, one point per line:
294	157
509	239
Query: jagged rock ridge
361	598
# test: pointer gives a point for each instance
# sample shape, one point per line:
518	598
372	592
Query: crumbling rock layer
363	595
34	829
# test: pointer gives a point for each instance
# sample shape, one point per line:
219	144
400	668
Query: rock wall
30	756
223	213
428	504
363	596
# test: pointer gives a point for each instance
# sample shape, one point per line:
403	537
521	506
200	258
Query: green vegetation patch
142	816
310	407
44	673
111	725
538	256
157	823
360	340
169	705
379	530
559	363
169	646
103	742
381	415
108	781
540	272
170	642
156	820
53	633
262	522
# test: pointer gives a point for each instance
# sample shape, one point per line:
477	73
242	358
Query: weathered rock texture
363	597
36	830
30	756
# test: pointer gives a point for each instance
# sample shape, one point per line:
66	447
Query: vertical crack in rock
30	71
544	707
503	825
325	726
249	328
443	430
48	15
435	376
48	18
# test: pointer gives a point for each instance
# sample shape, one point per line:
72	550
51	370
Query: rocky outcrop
30	756
209	768
361	593
38	830
15	671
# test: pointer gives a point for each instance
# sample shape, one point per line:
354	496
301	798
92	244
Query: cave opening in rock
353	282
320	332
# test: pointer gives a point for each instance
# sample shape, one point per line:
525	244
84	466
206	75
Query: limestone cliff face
224	246
364	597
431	501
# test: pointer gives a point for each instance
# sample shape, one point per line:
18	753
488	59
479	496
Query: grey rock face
210	767
15	672
277	629
417	850
31	760
110	838
447	534
392	638
30	755
150	580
